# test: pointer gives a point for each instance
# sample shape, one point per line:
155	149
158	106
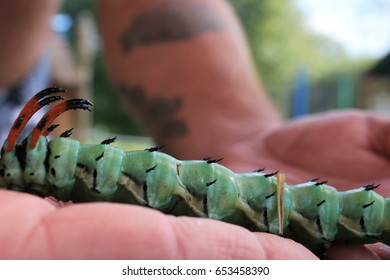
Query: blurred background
312	56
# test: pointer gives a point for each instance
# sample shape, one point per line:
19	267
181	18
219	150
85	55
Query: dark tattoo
158	112
169	22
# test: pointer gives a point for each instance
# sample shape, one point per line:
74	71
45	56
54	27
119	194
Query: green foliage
108	110
73	8
281	44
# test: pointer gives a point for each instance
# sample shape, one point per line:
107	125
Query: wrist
215	131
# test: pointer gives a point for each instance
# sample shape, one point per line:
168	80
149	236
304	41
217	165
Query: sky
362	27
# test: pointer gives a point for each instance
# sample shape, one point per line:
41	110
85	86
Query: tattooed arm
184	69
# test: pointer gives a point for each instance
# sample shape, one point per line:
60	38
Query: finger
209	239
278	248
378	126
19	215
382	250
113	231
352	252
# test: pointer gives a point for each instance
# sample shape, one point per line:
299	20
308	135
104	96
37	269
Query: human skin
195	89
106	230
24	29
215	105
39	230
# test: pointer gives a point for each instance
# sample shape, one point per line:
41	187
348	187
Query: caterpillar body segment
312	213
62	168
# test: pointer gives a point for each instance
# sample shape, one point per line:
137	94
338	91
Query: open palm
348	149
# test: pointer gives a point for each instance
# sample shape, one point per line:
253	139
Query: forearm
184	69
24	29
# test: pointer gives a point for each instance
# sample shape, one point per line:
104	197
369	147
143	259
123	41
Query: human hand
33	228
349	149
113	231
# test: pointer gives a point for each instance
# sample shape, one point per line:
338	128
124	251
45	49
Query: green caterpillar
313	213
